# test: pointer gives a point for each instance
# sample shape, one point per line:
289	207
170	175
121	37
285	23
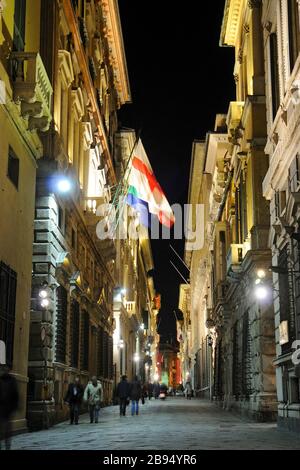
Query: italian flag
145	193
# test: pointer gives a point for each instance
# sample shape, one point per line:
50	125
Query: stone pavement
175	424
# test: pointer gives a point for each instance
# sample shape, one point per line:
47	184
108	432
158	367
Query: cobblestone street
176	424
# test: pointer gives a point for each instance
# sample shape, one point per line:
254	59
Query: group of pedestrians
92	395
130	391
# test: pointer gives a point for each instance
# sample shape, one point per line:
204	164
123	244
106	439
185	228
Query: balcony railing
234	257
131	308
32	88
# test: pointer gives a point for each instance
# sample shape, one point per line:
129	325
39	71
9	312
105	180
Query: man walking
9	400
123	394
93	395
135	395
74	398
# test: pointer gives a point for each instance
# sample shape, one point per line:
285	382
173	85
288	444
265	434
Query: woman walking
93	395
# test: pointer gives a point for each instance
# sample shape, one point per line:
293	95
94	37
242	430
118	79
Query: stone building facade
71	334
233	321
281	33
25	112
245	324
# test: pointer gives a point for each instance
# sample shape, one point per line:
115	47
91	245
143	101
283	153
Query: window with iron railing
236	364
8	292
110	358
85	340
61	324
286	293
75	324
246	357
100	354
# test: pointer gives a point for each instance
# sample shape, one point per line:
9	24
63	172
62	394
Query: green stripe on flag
132	190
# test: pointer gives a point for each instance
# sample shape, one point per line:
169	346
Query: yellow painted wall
8	16
32	30
16	239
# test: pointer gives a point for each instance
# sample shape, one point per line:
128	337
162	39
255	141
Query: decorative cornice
230	24
113	33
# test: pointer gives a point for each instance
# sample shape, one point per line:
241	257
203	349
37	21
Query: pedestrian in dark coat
123	391
9	400
135	395
74	397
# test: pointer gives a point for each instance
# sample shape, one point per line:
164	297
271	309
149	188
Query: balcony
234	258
131	308
106	245
32	89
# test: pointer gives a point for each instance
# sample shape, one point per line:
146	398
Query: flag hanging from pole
145	193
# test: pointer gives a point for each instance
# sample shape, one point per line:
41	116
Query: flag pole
121	189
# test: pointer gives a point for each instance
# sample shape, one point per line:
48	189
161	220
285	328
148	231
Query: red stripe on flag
153	183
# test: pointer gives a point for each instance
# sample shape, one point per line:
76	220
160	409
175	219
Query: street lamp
63	185
44	295
261	292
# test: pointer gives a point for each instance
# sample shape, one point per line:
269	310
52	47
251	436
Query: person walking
93	395
135	395
74	397
156	390
9	400
188	390
150	390
123	391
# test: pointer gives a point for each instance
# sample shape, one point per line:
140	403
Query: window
274	74
61	324
285	292
110	358
60	217
75	324
85	338
19	26
100	365
294	32
246	357
236	365
8	292
73	239
13	168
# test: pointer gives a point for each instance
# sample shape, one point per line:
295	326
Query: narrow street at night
175	424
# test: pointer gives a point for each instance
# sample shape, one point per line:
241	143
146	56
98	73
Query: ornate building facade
232	321
244	320
25	113
72	321
281	33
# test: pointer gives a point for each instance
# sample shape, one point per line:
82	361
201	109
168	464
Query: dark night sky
180	78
